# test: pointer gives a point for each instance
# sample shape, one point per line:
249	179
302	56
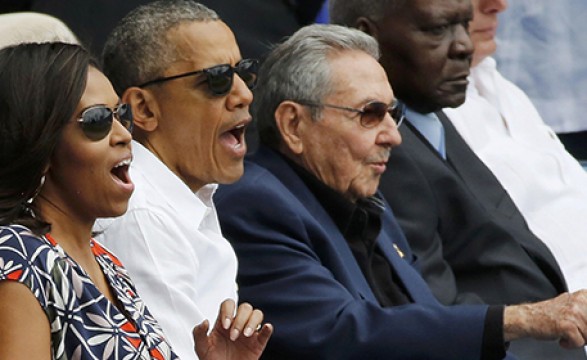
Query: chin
363	193
116	211
454	101
232	175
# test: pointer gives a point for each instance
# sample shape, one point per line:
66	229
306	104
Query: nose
119	134
462	45
240	95
388	135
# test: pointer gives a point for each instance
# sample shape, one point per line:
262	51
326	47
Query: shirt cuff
493	346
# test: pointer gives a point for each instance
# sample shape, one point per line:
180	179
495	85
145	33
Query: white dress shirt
170	242
548	185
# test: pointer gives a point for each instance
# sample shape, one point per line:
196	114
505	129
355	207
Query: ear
288	118
144	108
367	26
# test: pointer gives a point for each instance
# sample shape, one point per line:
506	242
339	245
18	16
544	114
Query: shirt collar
430	127
178	195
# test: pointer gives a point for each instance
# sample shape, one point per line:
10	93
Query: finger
582	333
264	335
582	321
571	335
571	342
254	323
575	327
200	335
243	314
226	313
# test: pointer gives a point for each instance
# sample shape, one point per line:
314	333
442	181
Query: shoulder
266	194
26	258
258	183
15	231
17	241
269	184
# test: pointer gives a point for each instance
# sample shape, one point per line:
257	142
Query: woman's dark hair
40	88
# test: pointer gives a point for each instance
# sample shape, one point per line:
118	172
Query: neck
71	232
192	183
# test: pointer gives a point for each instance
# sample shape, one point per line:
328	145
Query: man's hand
234	337
563	318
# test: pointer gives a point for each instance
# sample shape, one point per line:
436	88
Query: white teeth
125	162
239	126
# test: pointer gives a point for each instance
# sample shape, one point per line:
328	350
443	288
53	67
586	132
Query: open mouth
236	136
120	171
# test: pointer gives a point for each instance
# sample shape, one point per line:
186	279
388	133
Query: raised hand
237	336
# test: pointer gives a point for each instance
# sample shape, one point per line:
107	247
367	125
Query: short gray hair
137	50
299	69
346	12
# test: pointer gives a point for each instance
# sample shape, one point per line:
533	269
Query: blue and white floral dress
84	323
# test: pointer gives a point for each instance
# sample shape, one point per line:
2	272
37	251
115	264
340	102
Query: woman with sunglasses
64	158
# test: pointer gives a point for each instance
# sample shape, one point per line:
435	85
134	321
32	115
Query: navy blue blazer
296	266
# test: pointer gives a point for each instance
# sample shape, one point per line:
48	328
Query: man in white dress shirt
179	67
501	125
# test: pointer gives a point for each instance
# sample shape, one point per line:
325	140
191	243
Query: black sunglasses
372	113
96	121
220	77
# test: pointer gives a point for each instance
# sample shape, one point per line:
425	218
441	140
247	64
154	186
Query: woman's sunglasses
96	121
220	77
372	113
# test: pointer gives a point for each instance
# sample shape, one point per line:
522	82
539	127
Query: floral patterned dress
84	323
